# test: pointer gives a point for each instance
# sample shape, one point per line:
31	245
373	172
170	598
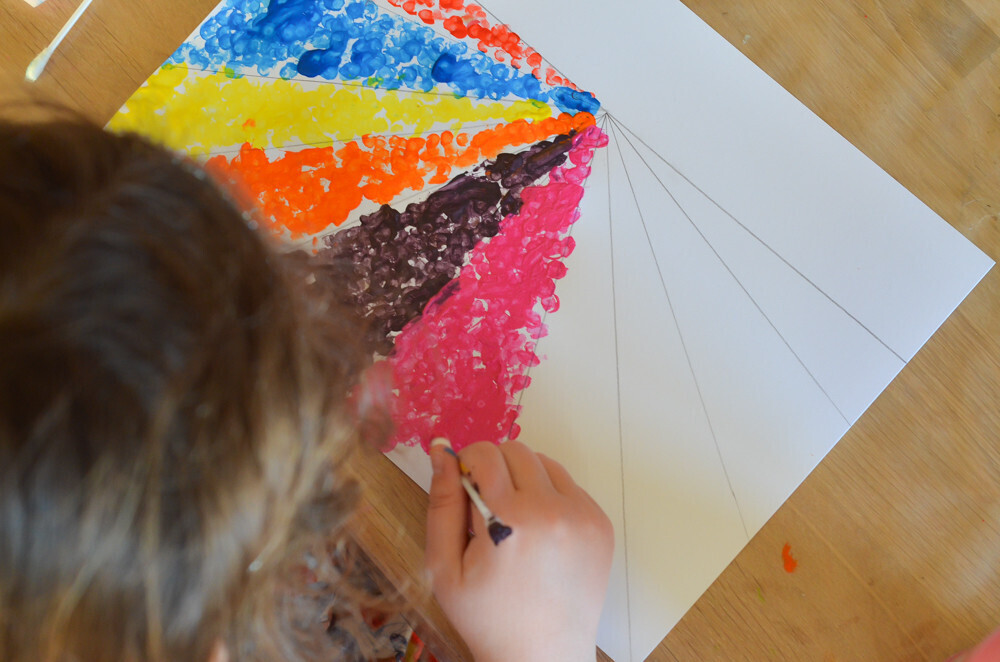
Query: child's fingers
447	520
526	470
560	478
488	470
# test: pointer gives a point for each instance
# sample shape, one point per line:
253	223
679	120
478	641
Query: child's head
171	389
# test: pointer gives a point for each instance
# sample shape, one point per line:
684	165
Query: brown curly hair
173	410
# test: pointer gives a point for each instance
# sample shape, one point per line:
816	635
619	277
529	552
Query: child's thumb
447	518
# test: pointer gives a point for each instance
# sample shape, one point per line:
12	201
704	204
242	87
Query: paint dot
786	557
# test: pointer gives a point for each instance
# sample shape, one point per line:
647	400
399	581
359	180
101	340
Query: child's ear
219	652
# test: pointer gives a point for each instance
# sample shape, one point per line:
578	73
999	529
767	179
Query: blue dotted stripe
355	40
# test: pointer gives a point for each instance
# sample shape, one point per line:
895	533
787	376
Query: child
174	420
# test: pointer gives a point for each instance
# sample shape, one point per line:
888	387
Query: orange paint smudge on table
250	124
786	557
307	191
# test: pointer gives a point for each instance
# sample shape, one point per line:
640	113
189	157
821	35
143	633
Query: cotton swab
497	529
38	64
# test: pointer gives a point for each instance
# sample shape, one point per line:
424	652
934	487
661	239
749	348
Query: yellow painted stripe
199	112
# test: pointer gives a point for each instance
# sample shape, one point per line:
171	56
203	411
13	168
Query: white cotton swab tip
38	64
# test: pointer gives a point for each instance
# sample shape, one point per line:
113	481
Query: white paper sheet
745	284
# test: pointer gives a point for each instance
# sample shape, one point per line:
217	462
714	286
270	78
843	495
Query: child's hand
987	651
538	594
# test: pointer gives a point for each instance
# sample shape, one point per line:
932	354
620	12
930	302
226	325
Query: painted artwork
429	148
686	288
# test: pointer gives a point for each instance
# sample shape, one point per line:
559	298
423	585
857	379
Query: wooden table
897	533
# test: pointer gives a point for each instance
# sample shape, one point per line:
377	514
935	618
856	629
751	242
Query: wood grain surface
897	532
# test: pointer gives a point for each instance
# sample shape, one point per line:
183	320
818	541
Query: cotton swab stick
38	64
497	529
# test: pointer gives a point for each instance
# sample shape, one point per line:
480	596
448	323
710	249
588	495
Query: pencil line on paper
545	316
729	270
354	221
411	18
765	245
342	83
388	8
383	134
566	78
618	394
680	334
